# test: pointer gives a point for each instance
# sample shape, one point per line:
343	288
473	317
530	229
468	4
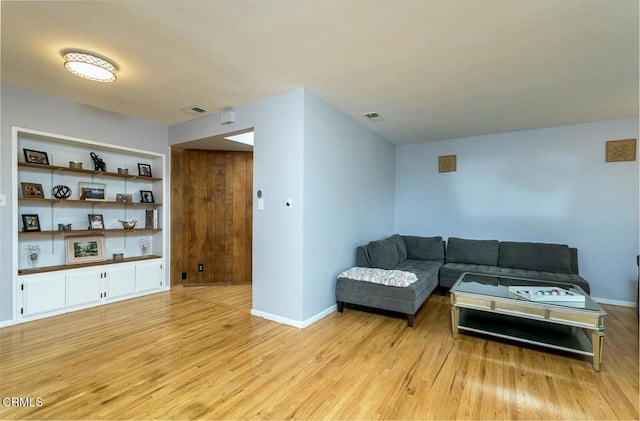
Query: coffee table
483	304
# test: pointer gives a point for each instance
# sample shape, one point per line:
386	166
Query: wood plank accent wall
211	216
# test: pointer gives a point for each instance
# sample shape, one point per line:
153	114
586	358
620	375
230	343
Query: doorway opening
212	212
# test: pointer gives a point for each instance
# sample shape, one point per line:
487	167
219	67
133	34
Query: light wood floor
197	353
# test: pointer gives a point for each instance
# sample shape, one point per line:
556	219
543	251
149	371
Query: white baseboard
614	302
319	316
295	323
6	323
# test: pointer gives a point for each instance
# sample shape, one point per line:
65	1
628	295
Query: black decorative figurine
98	163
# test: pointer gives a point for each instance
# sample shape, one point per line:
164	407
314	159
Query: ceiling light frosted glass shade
90	67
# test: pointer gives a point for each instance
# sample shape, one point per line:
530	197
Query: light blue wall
340	177
349	174
278	172
31	110
548	185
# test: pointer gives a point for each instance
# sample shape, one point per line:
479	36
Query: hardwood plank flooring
197	353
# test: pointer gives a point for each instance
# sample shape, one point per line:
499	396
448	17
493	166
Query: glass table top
498	286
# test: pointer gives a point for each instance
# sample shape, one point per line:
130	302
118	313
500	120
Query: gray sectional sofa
420	255
436	266
542	261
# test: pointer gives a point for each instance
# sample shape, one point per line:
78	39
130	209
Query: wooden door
211	208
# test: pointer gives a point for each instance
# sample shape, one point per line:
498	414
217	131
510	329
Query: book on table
547	294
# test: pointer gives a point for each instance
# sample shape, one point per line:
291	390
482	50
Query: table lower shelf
546	334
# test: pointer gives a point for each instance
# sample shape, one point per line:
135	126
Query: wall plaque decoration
447	163
621	150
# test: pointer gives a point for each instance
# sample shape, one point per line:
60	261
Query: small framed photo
123	197
64	227
96	222
32	190
144	170
36	157
92	191
85	249
31	223
146	196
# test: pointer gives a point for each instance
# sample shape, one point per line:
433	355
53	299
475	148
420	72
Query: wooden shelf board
92	232
82	265
92	202
85	171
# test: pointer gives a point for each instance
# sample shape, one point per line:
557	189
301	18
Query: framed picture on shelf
144	170
96	221
30	223
32	190
146	196
36	157
123	197
92	191
85	249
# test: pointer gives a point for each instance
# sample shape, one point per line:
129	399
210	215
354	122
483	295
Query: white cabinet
84	287
149	276
43	293
120	281
46	294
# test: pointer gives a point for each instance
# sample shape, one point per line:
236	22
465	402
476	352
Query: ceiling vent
195	110
373	116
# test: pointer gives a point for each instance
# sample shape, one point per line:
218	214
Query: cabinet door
121	281
84	287
42	293
148	276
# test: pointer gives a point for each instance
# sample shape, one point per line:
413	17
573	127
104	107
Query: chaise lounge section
422	256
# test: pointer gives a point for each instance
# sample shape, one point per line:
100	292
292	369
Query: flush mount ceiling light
89	66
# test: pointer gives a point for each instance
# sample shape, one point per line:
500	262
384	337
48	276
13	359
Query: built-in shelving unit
130	261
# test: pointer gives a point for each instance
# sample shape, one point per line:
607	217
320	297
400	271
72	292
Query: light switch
260	204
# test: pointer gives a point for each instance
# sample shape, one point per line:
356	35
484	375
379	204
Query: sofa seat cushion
450	273
424	269
535	256
477	252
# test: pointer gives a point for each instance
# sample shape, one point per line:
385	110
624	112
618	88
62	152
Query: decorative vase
32	255
144	246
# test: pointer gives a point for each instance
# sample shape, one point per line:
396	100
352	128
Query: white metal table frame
469	308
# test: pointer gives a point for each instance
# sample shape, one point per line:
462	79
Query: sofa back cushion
400	246
535	256
424	248
383	254
475	252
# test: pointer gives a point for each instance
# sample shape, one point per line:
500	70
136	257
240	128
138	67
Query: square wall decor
447	163
621	150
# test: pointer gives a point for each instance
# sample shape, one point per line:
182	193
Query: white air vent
373	116
195	110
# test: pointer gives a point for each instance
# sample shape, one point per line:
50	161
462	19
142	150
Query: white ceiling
435	69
